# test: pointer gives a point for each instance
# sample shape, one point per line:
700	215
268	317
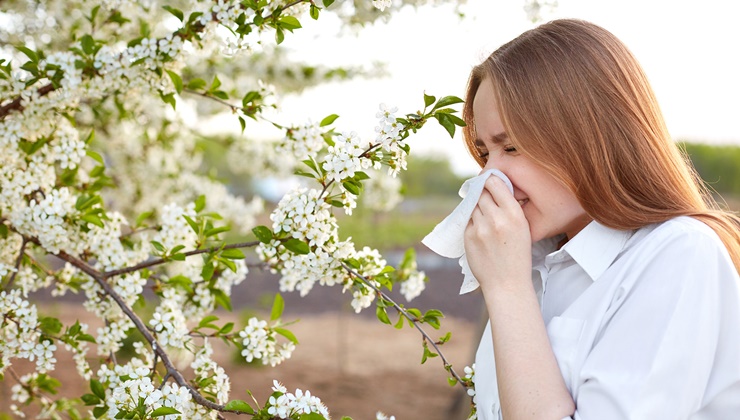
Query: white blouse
644	324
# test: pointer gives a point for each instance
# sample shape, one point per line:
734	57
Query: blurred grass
403	227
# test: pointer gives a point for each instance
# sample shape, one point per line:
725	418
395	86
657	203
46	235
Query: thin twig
159	261
413	319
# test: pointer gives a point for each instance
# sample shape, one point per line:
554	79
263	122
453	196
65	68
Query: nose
491	164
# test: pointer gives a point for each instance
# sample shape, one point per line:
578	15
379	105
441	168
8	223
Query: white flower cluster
303	141
125	394
346	157
303	214
413	285
260	342
382	416
371	264
470	376
393	146
170	325
174	229
65	62
205	368
285	405
19	333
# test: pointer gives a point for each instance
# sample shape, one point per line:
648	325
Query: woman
610	276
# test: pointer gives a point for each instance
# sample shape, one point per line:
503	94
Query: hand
498	244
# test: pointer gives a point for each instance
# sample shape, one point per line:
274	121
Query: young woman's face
550	208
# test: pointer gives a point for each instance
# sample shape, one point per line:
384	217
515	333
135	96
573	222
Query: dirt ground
355	364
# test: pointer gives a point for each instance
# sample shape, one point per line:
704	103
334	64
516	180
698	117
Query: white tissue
447	238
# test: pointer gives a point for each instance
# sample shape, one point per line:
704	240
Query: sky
690	51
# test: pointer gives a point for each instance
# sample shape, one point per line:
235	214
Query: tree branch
172	371
159	261
16	104
402	311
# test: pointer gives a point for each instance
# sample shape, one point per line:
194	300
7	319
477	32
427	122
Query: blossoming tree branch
103	193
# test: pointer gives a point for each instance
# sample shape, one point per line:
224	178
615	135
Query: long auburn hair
573	98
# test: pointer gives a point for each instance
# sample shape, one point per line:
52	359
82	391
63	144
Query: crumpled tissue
447	238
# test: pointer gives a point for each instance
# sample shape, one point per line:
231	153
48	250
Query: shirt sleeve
663	338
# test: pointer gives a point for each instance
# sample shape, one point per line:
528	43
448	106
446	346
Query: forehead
485	112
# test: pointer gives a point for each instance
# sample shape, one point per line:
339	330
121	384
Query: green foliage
430	176
718	166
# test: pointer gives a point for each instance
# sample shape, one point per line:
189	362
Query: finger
500	193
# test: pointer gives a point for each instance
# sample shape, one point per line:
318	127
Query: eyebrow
497	139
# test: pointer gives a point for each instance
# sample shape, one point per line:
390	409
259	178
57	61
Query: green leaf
399	323
327	3
452	381
239	405
176	12
297	246
250	97
169	99
289	23
447	100
200	203
263	234
142	217
279	36
3	231
50	325
31	54
314	12
99	412
216	230
352	188
158	246
97	388
226	328
192	224
207	271
96	156
382	314
287	334
359	176
328	120
233	254
88	44
214	84
176	80
93	218
90	399
278	305
197	84
164	411
446	122
445	338
428	100
206	322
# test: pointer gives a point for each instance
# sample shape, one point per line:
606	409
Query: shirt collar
596	247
